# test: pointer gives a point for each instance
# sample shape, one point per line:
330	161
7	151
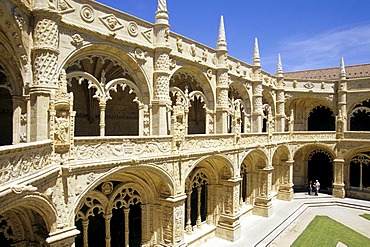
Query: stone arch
213	164
253	162
321	118
313	162
281	172
359	115
238	91
30	217
114	91
202	182
13	52
302	106
128	193
199	99
269	104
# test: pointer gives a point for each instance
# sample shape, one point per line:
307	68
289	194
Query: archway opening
320	167
360	171
6	116
321	118
360	117
122	114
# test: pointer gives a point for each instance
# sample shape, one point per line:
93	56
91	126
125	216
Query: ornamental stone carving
77	40
111	22
163	62
87	13
46	34
132	29
179	45
19	17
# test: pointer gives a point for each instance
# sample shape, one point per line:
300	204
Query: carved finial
161	15
256	54
279	67
221	42
342	69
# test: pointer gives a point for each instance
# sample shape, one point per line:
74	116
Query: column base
262	207
229	228
285	193
338	191
63	237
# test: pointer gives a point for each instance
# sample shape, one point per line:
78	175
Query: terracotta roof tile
354	71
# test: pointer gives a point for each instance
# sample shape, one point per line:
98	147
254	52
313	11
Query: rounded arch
95	74
35	202
13	53
359	116
313	162
241	99
257	158
215	165
121	57
321	118
189	75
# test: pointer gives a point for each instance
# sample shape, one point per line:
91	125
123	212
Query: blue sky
308	34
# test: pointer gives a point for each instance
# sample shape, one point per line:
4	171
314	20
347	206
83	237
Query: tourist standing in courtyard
317	185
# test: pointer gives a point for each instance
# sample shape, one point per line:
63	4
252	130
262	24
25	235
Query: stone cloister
119	132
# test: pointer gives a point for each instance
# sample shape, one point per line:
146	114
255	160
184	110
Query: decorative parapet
24	159
88	148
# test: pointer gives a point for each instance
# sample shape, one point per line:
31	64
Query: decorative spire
162	6
279	67
342	69
161	15
221	42
256	54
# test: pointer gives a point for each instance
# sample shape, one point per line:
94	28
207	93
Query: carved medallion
87	13
133	29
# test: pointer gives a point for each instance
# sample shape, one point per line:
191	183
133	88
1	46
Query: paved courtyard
291	218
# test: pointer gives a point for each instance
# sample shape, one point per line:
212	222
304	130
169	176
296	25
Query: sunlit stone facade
118	132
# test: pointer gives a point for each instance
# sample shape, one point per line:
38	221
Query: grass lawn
366	216
324	231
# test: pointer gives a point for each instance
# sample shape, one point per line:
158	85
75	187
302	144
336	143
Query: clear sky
309	34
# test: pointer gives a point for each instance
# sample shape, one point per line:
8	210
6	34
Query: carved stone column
228	226
263	203
280	105
280	111
161	80
257	113
342	95
44	56
64	237
102	106
107	218
338	185
286	191
17	113
222	89
173	221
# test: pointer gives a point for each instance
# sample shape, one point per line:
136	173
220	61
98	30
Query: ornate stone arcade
118	132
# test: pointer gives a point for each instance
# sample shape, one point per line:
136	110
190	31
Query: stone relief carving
15	165
140	55
147	35
133	29
179	45
77	40
19	18
192	50
111	22
87	13
309	85
64	6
